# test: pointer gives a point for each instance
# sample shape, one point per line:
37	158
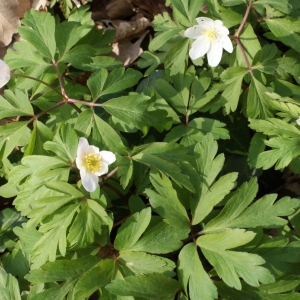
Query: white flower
211	37
298	121
92	163
4	73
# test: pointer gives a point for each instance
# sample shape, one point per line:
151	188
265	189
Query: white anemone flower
4	73
211	37
92	163
298	121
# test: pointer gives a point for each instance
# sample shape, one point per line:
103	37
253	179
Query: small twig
236	37
121	221
47	110
60	80
244	55
238	32
41	81
92	104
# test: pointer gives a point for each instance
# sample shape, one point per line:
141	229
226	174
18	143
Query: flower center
92	162
211	33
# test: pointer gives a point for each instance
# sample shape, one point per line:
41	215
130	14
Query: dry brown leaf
117	9
98	9
10	13
128	50
124	29
150	7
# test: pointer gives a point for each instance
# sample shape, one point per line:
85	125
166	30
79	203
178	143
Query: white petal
205	21
227	44
218	23
298	121
91	149
222	30
82	145
104	169
89	180
214	54
79	162
108	157
194	32
4	73
199	47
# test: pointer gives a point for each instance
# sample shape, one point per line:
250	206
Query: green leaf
72	272
249	40
157	156
279	254
161	38
162	238
176	57
230	265
125	170
132	229
25	56
9	218
172	95
286	31
283	152
105	136
84	123
141	263
195	131
165	201
9	288
209	193
256	147
64	144
55	230
87	225
11	135
39	32
192	276
75	58
265	213
16	263
281	5
39	135
94	279
151	60
148	286
103	83
272	126
134	110
67	34
233	77
16	104
259	104
236	204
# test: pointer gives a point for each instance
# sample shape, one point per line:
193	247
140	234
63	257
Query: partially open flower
4	73
92	163
211	37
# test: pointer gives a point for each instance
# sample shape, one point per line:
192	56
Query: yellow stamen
92	162
211	33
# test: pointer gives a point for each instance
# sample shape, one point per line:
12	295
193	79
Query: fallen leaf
119	9
10	13
128	50
124	29
150	7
